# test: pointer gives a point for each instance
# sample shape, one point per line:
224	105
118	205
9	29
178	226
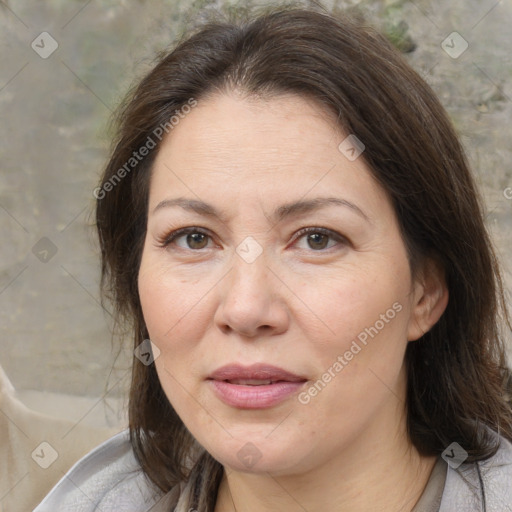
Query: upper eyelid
177	233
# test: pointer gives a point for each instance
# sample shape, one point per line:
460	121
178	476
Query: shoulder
108	478
481	486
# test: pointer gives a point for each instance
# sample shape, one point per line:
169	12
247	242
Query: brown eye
318	238
195	239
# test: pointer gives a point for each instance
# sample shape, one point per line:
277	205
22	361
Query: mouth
254	387
252	382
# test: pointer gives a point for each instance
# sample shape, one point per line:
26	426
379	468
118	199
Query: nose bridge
249	299
249	275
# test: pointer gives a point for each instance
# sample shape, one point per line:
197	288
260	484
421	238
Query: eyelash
165	241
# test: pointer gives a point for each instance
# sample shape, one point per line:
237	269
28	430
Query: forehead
234	133
233	148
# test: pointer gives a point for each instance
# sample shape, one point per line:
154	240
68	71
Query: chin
258	454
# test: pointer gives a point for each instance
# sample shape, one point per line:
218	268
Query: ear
430	298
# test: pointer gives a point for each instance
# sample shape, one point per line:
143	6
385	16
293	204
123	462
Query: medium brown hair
456	372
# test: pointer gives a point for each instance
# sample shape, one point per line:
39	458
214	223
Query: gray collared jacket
109	479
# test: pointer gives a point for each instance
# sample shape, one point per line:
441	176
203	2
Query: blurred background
65	65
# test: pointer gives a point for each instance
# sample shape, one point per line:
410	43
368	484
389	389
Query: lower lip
254	397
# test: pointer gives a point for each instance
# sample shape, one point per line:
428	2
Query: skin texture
299	305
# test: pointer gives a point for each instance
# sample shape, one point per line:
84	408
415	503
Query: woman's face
282	315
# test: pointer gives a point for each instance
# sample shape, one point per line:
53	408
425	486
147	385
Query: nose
251	302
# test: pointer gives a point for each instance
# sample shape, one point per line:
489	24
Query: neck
376	473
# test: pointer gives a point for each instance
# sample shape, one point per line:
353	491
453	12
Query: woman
289	217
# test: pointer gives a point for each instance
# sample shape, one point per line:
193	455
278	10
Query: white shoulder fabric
481	487
108	479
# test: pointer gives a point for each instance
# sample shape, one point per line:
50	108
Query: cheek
361	368
170	304
367	315
176	315
169	321
360	301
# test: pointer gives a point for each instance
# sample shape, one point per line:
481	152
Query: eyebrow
284	211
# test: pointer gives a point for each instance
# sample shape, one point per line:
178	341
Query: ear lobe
430	300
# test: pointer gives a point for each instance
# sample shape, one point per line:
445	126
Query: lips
254	387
